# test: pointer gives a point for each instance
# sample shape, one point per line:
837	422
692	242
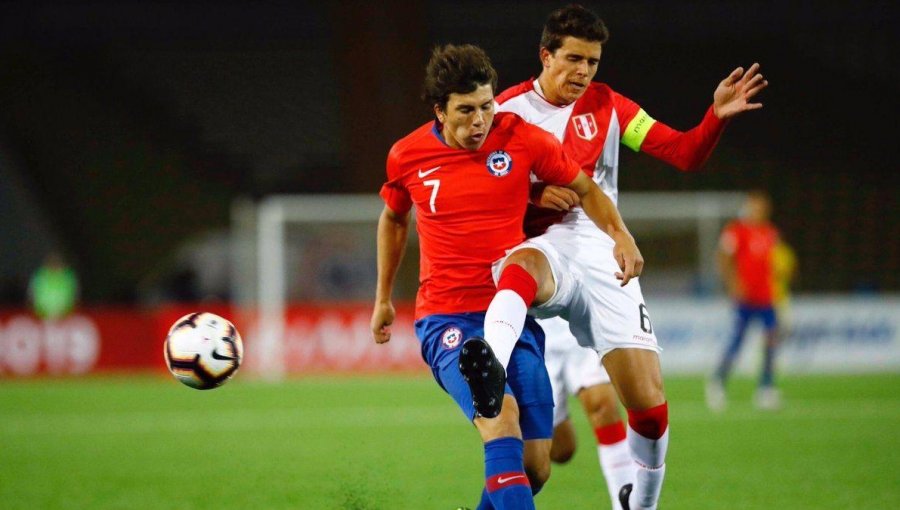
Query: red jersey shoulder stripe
516	90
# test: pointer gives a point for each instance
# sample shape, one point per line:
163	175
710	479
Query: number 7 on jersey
437	185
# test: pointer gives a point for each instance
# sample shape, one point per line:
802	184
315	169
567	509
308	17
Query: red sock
610	434
515	278
650	423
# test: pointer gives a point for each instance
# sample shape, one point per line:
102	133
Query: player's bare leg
537	462
638	380
602	407
564	442
507	476
505	424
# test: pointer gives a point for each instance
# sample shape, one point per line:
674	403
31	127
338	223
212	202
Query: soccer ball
203	350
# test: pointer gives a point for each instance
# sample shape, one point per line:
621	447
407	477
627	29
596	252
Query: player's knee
647	394
646	399
603	416
534	262
601	405
529	258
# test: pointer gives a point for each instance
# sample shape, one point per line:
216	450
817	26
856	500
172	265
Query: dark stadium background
135	132
132	125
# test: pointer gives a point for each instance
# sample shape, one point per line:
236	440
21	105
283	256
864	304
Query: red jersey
591	130
470	205
752	246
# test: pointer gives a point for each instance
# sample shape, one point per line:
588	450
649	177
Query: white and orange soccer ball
203	350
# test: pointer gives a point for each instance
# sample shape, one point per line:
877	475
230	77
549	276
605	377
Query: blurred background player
591	120
468	175
747	262
53	289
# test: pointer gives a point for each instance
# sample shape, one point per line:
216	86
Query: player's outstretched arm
733	95
391	241
689	150
602	211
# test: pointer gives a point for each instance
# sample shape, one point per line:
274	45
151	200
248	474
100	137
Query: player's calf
563	448
537	462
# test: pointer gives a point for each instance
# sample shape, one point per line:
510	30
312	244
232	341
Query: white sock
650	457
503	323
618	468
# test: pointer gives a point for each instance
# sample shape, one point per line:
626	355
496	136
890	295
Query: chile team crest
451	337
585	126
499	163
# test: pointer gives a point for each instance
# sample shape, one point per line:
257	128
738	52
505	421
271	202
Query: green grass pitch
400	443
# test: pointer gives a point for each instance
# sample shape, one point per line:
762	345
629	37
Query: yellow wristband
637	130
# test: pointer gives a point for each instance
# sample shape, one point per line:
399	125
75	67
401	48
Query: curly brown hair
575	21
456	69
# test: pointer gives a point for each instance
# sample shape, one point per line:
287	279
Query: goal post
321	249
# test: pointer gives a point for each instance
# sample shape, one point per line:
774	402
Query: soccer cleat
484	374
624	494
767	398
715	395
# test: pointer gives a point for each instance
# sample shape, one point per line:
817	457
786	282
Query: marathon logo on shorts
585	126
451	337
644	339
499	163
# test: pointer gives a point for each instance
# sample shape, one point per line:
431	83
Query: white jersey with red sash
594	127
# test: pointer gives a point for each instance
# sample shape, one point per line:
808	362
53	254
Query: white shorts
571	366
602	314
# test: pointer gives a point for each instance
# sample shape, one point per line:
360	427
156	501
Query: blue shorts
526	376
747	313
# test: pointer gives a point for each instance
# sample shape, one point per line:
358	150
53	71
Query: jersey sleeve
394	192
513	91
551	164
686	150
633	121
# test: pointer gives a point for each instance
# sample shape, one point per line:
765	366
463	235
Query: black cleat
624	494
485	375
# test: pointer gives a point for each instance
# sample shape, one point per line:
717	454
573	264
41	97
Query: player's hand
628	256
558	198
733	95
382	318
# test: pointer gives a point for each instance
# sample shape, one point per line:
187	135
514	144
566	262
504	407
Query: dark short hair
456	69
575	21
